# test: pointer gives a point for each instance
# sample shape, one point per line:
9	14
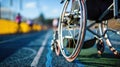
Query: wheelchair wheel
111	36
71	29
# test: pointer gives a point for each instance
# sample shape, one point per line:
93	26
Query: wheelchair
75	20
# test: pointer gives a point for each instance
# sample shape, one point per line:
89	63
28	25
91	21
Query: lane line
15	38
49	57
28	49
25	48
115	42
77	62
10	40
37	57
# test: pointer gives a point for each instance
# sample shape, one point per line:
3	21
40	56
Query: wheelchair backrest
96	7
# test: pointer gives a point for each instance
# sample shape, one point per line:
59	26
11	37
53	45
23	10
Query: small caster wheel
100	47
55	47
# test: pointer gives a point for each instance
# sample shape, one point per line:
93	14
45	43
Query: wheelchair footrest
89	43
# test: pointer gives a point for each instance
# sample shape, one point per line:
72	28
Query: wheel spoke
72	29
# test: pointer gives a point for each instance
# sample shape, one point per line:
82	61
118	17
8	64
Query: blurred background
36	18
36	15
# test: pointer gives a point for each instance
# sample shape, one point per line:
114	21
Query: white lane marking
77	62
115	42
37	57
10	40
29	49
15	59
26	48
48	56
13	39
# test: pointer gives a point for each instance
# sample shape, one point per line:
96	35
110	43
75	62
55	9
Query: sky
33	8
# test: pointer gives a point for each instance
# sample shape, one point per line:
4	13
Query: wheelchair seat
95	8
